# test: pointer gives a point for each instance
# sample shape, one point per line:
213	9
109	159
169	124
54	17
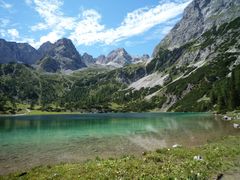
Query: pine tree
232	101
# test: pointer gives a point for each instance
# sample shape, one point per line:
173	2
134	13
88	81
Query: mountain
199	17
17	52
101	59
88	59
116	58
143	58
119	58
200	55
62	54
45	48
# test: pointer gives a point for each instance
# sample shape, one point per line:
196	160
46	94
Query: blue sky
94	26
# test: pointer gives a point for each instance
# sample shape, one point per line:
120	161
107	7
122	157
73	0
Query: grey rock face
88	59
63	52
45	48
117	58
49	64
101	59
143	58
198	17
17	52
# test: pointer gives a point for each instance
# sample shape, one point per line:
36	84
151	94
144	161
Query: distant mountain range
62	55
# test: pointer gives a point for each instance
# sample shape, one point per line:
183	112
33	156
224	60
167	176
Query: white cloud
135	23
13	33
87	28
5	5
53	19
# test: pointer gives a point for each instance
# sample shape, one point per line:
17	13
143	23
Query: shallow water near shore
29	141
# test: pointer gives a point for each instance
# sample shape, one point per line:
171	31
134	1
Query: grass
235	115
174	163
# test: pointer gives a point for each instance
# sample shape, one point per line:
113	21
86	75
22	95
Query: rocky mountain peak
119	56
45	47
143	58
198	17
88	59
64	42
101	59
17	52
62	53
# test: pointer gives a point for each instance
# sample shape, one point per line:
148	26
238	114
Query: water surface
28	141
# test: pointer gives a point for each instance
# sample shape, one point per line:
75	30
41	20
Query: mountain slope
88	59
63	55
116	58
211	85
198	67
17	52
198	17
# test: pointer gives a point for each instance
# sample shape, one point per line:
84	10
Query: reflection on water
27	141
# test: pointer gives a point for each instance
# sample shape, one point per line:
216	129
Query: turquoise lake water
29	141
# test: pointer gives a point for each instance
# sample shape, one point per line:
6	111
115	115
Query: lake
29	141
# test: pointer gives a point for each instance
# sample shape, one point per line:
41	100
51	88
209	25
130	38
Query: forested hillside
215	86
201	75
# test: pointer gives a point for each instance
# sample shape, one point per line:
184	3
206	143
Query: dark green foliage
226	93
165	58
210	81
49	64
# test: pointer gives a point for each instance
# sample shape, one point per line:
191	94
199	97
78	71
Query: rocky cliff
17	52
63	54
198	17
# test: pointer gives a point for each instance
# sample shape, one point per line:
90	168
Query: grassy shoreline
217	158
37	112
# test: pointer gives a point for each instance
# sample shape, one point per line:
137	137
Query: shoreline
216	158
70	113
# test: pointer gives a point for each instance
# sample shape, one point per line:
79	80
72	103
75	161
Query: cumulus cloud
87	28
135	23
13	33
5	5
53	19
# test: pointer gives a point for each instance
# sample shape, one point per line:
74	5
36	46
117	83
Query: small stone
198	158
55	174
220	176
176	145
22	174
236	125
226	118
